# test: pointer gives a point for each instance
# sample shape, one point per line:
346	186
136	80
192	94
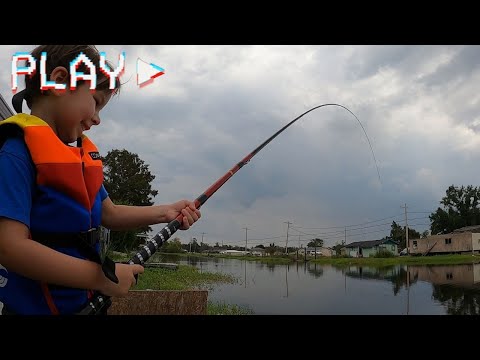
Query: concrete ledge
161	302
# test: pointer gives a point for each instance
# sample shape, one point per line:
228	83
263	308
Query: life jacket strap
85	242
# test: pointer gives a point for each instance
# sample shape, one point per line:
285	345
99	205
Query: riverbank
455	259
449	259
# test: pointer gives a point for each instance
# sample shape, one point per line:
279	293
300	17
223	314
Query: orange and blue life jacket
65	208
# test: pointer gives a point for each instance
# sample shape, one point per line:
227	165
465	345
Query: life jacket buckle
91	236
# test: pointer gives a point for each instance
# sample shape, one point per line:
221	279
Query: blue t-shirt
17	187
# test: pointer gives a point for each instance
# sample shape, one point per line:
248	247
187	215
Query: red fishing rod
99	303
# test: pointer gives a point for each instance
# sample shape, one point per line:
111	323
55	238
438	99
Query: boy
52	198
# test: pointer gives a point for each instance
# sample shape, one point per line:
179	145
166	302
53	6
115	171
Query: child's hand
187	208
126	279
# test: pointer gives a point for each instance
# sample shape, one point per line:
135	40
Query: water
313	289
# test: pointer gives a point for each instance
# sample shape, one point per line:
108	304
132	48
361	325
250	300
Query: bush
383	254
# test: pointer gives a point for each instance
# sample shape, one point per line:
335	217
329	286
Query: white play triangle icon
146	72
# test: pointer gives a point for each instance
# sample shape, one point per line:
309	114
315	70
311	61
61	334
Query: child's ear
60	76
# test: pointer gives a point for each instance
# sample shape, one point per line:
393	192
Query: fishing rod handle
96	305
153	244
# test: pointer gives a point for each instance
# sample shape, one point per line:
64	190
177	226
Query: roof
473	229
369	243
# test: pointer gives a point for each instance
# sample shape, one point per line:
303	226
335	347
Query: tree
315	243
460	208
271	249
172	246
397	233
338	249
127	180
195	247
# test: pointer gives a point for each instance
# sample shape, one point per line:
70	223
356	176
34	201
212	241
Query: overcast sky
419	106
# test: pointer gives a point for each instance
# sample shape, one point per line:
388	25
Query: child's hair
62	55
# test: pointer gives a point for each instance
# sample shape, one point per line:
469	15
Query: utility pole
203	233
286	243
246	238
191	240
406	227
298	246
345	236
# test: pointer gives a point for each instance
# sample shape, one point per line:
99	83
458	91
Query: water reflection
408	293
245	266
395	274
315	269
457	287
325	289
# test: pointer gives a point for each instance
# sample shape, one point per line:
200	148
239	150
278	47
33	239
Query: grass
402	260
184	278
221	308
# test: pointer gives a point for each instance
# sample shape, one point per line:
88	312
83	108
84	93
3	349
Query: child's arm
123	217
31	259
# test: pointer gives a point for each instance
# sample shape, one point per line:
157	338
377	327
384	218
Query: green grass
401	260
184	278
221	308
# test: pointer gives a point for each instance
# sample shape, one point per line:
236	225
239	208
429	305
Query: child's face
77	111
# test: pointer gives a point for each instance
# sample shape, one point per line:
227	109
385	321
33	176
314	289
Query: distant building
233	252
370	247
462	240
321	251
257	251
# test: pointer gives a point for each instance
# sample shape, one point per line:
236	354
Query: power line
360	224
329	237
342	231
343	226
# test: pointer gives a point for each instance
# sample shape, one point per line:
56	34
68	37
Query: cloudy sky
419	105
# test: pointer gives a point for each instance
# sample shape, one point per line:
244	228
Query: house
463	240
233	252
257	251
370	247
321	251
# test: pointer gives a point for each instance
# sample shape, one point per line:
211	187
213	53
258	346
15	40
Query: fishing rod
5	111
100	303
